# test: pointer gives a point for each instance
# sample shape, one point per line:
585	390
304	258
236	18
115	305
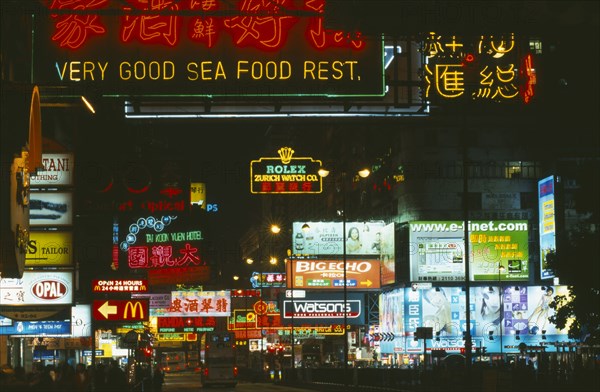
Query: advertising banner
50	208
547	224
37	288
329	274
501	317
498	251
185	324
327	238
49	249
58	171
324	309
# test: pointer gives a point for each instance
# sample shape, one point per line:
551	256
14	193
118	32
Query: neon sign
485	68
285	174
200	48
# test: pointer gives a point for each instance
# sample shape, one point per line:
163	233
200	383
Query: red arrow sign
121	310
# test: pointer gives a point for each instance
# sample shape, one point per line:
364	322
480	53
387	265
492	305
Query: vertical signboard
547	222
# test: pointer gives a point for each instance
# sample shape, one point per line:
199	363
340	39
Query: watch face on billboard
498	251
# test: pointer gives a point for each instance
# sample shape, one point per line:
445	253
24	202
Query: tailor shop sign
285	174
195	48
49	249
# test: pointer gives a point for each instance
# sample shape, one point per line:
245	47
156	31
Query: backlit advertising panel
50	208
324	308
547	224
194	48
195	303
49	249
327	238
498	250
329	274
58	171
501	318
37	288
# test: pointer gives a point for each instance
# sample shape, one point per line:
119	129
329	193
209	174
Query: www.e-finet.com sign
285	174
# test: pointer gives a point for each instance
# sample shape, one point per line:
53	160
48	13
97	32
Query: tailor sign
285	174
197	48
120	310
49	249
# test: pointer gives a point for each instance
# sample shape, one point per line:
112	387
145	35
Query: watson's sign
202	48
285	174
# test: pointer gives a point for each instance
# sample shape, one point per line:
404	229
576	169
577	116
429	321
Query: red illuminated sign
228	48
120	286
178	275
120	310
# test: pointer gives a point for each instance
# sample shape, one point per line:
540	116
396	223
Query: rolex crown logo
286	154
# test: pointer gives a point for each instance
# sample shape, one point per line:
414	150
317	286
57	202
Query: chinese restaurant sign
197	48
486	68
285	174
200	303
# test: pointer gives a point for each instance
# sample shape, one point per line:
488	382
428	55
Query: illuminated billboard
498	251
501	317
327	238
193	303
329	274
285	174
210	49
324	308
58	171
547	223
37	288
49	249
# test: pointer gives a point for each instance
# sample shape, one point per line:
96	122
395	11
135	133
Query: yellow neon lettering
73	70
239	68
309	68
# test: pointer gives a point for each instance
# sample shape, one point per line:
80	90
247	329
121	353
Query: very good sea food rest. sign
238	48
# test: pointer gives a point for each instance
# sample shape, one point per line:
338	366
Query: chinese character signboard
285	174
196	48
200	304
164	242
484	68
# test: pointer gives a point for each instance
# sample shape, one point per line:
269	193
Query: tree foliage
577	263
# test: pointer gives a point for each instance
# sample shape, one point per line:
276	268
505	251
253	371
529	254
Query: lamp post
501	300
363	173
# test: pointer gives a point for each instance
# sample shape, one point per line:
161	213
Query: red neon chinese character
266	187
154	29
322	38
137	257
280	187
191	305
189	255
263	32
204	30
72	31
161	256
176	306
